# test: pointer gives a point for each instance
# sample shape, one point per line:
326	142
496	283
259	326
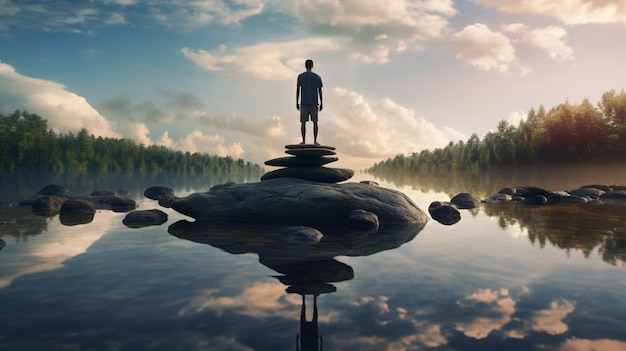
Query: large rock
268	241
300	161
298	202
315	174
310	152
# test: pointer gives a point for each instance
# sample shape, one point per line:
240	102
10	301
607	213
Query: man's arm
298	98
321	99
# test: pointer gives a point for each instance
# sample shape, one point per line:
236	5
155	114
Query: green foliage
28	145
567	133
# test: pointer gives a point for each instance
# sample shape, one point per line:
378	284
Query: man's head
308	64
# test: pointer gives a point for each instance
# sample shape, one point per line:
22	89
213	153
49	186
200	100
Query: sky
219	76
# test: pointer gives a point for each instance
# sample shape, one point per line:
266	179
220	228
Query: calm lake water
506	277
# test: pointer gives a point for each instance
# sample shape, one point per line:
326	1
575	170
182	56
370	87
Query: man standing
308	87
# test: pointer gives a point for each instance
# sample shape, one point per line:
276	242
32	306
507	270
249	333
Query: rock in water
309	146
308	163
300	161
314	174
444	212
299	202
144	218
310	152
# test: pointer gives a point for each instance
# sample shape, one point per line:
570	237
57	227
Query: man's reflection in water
309	338
309	278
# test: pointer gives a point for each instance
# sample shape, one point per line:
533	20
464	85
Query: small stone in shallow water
77	207
158	192
465	200
444	212
144	218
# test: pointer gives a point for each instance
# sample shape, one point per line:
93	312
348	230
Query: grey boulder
444	212
299	202
465	200
316	174
144	218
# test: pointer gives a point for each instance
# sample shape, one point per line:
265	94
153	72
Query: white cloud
199	13
64	110
50	251
363	131
370	31
266	128
258	300
550	39
551	320
61	15
388	320
577	344
374	29
484	49
568	11
196	141
375	130
66	15
270	61
138	131
515	117
491	311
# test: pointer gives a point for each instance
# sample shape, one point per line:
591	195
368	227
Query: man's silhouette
308	87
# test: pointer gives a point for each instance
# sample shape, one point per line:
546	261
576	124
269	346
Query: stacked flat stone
307	162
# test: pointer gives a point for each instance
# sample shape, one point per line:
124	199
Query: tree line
568	133
29	145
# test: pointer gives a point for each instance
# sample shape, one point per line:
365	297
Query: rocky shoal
306	162
447	212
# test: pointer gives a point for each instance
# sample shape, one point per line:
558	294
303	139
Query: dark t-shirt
309	83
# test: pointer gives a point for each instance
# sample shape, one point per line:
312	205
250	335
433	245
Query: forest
29	145
565	134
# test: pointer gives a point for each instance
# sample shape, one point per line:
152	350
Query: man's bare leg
303	132
315	129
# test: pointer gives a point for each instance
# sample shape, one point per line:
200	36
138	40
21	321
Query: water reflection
105	286
305	270
584	228
309	338
18	222
553	177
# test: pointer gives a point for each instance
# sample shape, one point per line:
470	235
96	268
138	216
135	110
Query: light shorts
308	110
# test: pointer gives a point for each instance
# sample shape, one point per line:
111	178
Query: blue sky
218	76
